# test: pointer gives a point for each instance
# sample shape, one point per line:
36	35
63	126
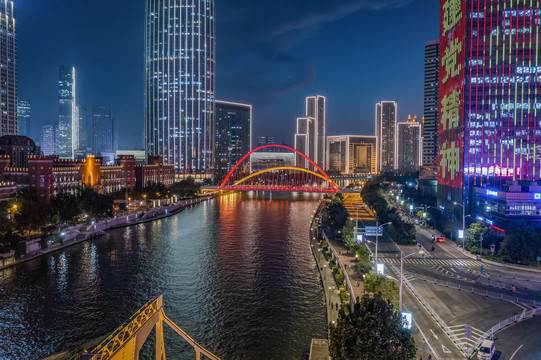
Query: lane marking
445	350
433	334
516	351
453	270
426	340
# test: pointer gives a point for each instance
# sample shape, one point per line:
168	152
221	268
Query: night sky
271	54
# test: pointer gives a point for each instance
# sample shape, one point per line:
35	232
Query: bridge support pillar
160	345
270	193
197	355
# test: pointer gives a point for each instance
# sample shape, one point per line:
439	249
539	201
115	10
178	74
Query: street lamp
463	223
379	226
402	257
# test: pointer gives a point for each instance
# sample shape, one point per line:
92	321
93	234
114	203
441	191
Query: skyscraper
310	137
430	119
102	129
8	70
233	135
489	156
180	83
68	122
23	117
48	139
386	135
409	145
84	131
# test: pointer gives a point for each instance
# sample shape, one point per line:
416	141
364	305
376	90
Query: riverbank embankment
80	233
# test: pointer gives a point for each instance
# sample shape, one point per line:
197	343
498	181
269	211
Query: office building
233	135
8	73
23	117
265	140
352	154
180	83
19	148
84	131
67	138
409	145
430	118
48	139
102	129
386	115
488	116
310	136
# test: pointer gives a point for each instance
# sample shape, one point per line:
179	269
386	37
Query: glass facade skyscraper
489	126
102	129
8	70
67	138
408	145
233	135
180	83
386	135
23	117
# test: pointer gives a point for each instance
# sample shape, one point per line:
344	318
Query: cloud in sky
268	33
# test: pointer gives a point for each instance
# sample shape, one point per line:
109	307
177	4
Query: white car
487	350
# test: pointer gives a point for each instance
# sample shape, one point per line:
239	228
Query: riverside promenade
319	348
77	234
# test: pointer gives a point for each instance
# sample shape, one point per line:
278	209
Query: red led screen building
489	128
451	100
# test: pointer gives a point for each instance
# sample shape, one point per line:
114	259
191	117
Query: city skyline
351	101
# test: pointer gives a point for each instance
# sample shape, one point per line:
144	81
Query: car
441	240
487	350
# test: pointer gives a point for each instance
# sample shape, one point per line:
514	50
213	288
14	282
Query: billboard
451	94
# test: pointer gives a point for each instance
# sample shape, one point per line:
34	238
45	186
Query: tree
373	330
380	284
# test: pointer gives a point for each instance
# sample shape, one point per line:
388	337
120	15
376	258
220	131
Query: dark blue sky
271	54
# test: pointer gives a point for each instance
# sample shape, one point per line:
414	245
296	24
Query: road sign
373	231
360	238
407	320
460	234
380	269
481	269
492	248
467	331
539	258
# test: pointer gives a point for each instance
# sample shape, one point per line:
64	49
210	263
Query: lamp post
379	226
402	257
463	223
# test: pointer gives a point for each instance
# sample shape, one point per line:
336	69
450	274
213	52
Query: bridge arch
231	183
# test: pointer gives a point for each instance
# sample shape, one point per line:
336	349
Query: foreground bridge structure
277	168
126	341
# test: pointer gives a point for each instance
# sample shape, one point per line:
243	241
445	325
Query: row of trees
27	213
373	328
521	244
400	231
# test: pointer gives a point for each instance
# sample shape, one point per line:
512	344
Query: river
236	272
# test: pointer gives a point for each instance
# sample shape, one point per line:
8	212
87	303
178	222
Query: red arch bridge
277	168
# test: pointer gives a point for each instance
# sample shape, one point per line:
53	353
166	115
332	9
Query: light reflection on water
236	273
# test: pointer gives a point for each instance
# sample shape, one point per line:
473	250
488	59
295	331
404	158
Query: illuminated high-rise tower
386	135
489	134
67	136
310	138
430	118
8	70
180	83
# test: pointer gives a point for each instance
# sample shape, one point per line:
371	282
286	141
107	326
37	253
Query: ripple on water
236	273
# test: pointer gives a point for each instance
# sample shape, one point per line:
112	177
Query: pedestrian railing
478	291
434	314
